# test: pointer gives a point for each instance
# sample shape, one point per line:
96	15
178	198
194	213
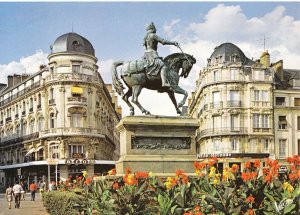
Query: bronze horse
134	75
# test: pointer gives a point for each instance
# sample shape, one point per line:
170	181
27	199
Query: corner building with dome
60	120
233	102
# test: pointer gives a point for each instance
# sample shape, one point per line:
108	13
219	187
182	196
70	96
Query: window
297	102
256	95
23	129
233	95
31	103
51	95
255	120
265	121
282	124
265	143
18	130
31	126
39	100
252	145
282	148
76	120
234	122
234	74
298	122
76	68
216	144
257	75
54	151
216	122
234	145
24	107
52	120
216	75
51	70
40	123
216	100
265	95
17	109
76	151
280	101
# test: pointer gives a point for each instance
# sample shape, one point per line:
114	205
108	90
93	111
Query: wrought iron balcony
234	103
77	99
222	131
216	105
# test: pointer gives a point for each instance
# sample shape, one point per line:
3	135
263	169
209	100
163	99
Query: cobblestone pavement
27	207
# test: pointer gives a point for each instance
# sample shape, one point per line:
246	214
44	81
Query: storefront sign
221	155
233	155
78	161
52	161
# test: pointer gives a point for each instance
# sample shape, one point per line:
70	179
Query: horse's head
182	61
187	64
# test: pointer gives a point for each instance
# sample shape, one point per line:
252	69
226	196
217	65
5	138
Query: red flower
112	172
247	164
179	172
250	212
115	186
200	165
141	175
257	163
250	199
88	181
268	178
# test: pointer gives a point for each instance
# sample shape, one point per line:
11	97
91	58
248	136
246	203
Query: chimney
278	67
10	81
265	59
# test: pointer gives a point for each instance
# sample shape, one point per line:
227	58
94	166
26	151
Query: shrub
61	203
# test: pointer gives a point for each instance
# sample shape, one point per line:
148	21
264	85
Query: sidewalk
27	207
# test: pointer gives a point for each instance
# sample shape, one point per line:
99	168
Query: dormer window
75	45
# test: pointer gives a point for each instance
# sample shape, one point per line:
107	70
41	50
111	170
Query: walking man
17	194
33	189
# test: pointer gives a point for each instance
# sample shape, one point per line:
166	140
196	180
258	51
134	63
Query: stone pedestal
157	143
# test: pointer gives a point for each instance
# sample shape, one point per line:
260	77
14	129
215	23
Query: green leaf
173	209
289	208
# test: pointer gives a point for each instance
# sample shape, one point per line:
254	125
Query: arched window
76	120
18	130
31	126
40	123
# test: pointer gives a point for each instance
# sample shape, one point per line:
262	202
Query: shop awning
77	90
30	151
38	148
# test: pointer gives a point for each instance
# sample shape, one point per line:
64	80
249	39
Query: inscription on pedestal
158	143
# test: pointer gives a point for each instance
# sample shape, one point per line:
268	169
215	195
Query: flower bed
254	191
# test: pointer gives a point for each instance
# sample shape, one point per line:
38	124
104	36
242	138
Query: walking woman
9	195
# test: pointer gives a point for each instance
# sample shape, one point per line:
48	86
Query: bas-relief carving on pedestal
158	143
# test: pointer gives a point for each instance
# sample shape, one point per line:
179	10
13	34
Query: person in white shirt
17	189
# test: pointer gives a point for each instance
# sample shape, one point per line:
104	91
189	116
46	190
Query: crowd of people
17	191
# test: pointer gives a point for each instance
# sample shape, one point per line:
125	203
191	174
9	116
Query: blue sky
117	29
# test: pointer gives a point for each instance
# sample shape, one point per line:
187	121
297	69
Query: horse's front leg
173	99
179	90
136	90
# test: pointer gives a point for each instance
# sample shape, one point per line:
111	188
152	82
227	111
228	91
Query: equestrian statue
153	72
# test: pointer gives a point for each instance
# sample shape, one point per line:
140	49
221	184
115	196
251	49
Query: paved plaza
27	207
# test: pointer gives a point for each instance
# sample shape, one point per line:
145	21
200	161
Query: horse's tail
115	78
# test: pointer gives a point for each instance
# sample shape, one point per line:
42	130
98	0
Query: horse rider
155	64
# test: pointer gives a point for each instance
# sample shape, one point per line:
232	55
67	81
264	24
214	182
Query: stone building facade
233	103
60	120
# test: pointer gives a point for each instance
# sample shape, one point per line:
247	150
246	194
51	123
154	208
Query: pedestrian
17	189
23	191
52	186
42	187
33	189
9	195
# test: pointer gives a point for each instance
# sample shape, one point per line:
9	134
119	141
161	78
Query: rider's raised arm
165	42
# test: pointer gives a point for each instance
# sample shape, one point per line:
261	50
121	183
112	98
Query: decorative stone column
157	143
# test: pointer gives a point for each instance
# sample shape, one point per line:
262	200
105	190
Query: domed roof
228	52
72	42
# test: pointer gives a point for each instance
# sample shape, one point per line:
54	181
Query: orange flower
212	161
200	165
141	175
129	179
88	181
187	213
293	176
266	171
250	199
112	172
247	164
257	163
268	178
250	212
235	168
127	170
185	179
115	186
179	172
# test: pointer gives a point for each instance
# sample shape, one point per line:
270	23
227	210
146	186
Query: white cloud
28	65
229	24
168	27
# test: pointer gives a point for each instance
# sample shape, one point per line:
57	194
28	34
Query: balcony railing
77	99
8	119
72	76
222	131
15	138
234	103
216	105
